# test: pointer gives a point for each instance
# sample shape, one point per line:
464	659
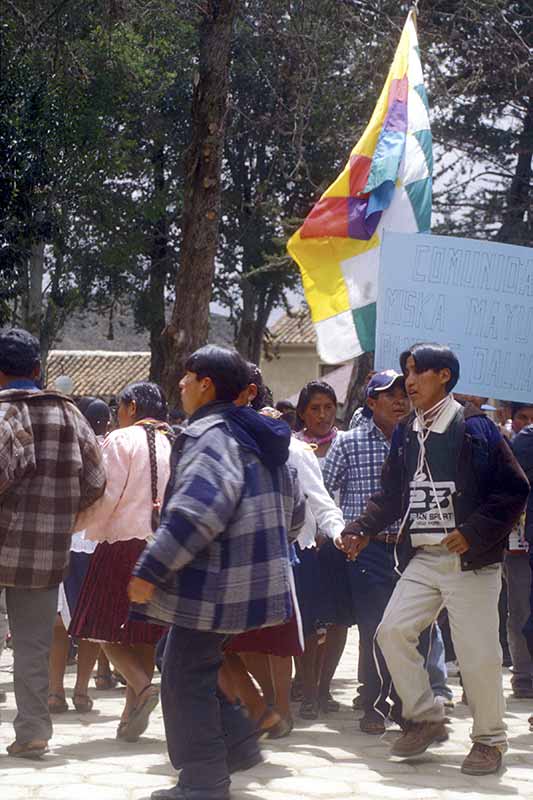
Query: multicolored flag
386	185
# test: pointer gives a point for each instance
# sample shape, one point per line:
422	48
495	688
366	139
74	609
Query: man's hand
456	542
140	591
353	544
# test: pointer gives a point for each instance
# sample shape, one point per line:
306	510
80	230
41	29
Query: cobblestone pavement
329	758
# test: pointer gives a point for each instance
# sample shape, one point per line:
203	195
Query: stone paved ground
326	759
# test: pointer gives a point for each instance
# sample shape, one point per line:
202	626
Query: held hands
140	591
351	541
456	542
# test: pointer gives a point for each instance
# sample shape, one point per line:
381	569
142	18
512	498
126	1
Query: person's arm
504	501
199	506
297	515
327	514
93	475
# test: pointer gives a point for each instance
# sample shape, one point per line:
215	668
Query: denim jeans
431	646
528	627
192	712
207	736
370	600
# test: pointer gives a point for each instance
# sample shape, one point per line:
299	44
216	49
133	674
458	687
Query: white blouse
321	513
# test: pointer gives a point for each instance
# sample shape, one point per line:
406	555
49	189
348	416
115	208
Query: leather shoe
177	793
418	736
482	759
174	793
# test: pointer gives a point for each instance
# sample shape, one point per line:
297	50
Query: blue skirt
323	587
307	582
336	602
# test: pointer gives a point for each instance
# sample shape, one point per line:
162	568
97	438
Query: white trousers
434	579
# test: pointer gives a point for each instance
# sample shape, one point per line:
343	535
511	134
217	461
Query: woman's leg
308	662
258	665
58	659
87	655
333	650
136	664
244	688
128	663
281	671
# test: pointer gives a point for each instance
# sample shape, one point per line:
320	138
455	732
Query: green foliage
95	121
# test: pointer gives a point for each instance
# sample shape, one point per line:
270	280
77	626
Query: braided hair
156	503
151	413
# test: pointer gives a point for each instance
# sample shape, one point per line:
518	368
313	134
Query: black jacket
491	491
522	447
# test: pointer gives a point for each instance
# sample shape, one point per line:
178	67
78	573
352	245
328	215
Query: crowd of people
235	549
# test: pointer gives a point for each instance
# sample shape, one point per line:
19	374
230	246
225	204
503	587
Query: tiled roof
97	372
294	328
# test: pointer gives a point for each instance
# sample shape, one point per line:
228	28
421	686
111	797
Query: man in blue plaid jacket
219	562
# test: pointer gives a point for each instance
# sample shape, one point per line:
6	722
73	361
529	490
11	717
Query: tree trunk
355	396
516	227
158	270
34	300
188	328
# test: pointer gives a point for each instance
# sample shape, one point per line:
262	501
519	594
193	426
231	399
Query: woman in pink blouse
137	463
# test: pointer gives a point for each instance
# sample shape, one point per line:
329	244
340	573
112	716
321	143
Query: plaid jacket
220	557
50	468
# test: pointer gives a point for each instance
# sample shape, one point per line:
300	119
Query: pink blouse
125	509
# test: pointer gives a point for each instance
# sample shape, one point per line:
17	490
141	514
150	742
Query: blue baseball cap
382	381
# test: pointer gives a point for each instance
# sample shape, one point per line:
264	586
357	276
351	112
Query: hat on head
381	382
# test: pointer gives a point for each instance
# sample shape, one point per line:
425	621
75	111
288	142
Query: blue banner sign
476	297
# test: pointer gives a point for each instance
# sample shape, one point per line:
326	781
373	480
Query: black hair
176	415
284	406
515	408
83	403
98	414
264	394
20	352
226	368
434	357
312	388
149	399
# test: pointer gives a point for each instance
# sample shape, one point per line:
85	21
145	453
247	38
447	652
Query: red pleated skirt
278	640
103	606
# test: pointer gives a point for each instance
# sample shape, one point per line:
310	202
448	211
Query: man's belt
388	538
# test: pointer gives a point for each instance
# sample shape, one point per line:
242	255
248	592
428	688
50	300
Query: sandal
121	730
280	730
140	715
32	750
58	705
82	703
309	709
105	681
262	729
